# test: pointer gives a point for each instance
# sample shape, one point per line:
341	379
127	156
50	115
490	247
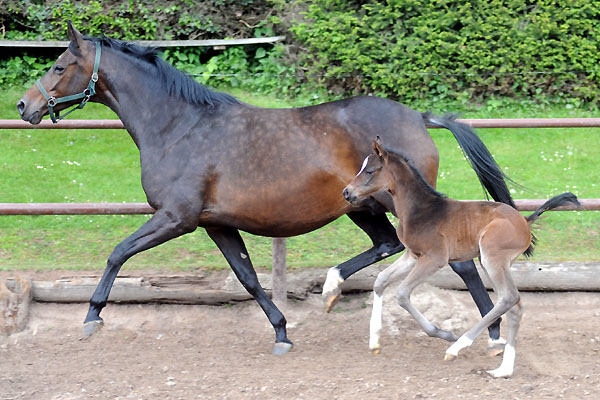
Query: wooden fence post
279	275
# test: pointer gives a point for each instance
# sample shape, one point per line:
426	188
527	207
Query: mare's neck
134	92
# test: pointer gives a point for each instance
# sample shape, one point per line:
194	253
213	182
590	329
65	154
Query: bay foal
437	230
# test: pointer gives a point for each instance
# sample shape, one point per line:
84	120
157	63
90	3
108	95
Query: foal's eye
59	69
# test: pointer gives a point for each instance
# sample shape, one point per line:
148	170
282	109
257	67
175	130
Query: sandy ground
223	352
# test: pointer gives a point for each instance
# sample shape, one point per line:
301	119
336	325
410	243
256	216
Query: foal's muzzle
349	195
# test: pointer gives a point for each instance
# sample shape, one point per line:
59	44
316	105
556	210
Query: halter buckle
95	77
51	101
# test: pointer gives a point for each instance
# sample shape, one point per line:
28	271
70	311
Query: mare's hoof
282	348
449	357
331	299
376	351
92	327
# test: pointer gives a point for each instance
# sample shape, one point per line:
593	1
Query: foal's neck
412	195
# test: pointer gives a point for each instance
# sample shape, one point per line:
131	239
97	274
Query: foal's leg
468	273
498	270
163	226
232	246
395	271
385	243
508	360
424	268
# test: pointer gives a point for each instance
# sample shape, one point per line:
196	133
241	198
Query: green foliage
455	50
258	68
129	20
22	69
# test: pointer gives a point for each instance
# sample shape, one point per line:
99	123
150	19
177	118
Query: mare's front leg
163	226
232	246
385	243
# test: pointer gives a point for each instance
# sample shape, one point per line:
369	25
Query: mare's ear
378	147
76	39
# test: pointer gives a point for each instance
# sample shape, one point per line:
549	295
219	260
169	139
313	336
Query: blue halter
85	95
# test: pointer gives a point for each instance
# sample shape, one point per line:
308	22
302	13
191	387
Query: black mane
176	82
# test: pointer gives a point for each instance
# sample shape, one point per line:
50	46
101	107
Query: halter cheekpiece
88	92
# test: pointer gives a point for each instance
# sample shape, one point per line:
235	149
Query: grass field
103	166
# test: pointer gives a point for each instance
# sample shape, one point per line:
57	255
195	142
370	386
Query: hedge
441	50
454	48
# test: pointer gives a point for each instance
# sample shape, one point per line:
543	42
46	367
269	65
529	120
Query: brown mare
437	230
209	160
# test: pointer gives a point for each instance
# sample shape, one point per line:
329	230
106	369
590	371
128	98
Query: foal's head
372	178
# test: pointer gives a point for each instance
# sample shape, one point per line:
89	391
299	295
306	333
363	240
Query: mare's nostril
21	107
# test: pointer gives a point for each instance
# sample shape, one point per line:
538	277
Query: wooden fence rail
475	123
151	43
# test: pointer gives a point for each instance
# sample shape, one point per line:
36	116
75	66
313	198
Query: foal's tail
556	201
491	177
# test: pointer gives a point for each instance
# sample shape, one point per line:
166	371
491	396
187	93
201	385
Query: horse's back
282	171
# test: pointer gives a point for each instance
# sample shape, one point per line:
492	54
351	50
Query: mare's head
70	75
372	178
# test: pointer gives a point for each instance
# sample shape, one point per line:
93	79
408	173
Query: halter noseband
85	95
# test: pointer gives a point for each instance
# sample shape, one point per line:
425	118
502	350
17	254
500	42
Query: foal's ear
75	37
378	147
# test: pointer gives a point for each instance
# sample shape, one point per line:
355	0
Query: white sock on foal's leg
457	346
375	326
505	369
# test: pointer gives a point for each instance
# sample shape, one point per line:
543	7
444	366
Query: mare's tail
556	201
491	177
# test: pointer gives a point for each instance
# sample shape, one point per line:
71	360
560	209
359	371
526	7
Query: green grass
103	166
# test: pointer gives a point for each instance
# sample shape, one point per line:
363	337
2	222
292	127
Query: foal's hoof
331	299
375	351
449	357
282	348
92	327
496	347
447	336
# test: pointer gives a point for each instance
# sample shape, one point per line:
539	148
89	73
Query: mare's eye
59	69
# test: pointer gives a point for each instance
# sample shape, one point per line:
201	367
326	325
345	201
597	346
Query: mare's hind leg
162	227
397	270
424	268
232	246
385	243
468	273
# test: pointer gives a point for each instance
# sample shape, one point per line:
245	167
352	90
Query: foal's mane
175	82
397	156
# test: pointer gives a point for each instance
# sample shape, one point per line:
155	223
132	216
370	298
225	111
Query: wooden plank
528	276
223	287
151	43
